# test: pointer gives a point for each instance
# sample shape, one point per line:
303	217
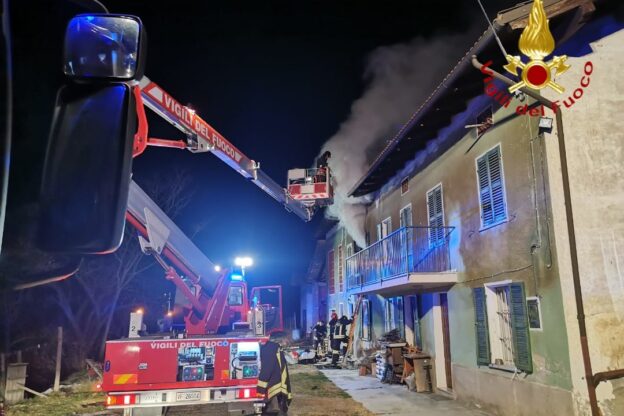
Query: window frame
539	310
405	180
493	325
411	216
483	226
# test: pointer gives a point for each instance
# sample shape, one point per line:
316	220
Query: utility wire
500	44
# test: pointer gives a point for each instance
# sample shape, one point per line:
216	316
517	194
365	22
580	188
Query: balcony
409	258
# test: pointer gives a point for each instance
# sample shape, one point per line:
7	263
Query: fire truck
216	359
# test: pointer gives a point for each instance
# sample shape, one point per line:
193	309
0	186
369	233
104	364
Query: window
365	322
502	327
341	310
491	188
404	186
235	296
534	313
405	216
394	315
435	211
331	286
340	269
384	228
349	250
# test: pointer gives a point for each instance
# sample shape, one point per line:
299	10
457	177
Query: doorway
446	338
442	341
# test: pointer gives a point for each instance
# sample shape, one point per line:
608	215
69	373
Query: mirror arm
140	138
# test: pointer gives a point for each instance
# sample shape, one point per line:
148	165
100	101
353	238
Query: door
446	339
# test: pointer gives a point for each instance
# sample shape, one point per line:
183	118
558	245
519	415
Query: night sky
276	79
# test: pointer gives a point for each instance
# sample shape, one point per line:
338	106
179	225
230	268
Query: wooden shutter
491	191
340	269
436	216
520	328
331	286
481	327
496	181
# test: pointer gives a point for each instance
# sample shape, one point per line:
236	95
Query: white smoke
400	78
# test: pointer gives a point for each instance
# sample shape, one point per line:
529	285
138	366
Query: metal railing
407	250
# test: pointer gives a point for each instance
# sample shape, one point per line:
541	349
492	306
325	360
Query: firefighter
340	336
273	380
332	326
320	332
322	164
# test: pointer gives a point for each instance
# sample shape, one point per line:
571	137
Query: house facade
469	250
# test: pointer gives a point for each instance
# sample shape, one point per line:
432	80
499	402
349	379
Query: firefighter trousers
335	346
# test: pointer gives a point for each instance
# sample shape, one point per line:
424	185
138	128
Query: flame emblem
537	43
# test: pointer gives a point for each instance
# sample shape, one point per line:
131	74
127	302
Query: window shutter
436	217
491	192
331	286
481	327
496	180
520	328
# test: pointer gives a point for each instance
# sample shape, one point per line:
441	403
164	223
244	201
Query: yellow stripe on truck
125	379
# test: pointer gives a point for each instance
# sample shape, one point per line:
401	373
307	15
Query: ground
314	395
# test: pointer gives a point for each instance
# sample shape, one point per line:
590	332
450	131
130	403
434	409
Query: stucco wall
518	249
594	139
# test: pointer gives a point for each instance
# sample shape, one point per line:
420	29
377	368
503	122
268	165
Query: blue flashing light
90	18
236	277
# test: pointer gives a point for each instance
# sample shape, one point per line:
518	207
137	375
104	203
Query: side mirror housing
104	47
87	171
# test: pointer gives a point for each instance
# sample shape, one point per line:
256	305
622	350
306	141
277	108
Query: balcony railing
407	250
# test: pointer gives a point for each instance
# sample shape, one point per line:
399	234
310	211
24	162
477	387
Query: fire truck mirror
104	47
86	175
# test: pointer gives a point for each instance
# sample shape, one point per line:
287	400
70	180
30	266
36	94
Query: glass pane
235	296
101	47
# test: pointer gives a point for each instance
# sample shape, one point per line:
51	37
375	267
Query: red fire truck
217	358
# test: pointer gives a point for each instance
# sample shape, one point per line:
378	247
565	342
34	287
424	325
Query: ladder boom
210	140
179	249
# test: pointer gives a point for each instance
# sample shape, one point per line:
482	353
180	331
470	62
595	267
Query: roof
459	86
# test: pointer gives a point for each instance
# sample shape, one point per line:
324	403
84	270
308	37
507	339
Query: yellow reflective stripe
279	389
263	384
279	359
284	376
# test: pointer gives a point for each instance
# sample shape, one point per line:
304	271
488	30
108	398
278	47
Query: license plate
152	397
188	396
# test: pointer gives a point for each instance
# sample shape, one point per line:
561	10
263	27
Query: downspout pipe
591	379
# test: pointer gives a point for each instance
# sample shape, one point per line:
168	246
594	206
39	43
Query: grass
59	404
315	395
80	399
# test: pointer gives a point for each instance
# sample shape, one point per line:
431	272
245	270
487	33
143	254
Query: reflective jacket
340	330
273	378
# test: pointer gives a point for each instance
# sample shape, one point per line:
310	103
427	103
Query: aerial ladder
217	358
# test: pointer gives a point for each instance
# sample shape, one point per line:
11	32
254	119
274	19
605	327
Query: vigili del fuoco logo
536	43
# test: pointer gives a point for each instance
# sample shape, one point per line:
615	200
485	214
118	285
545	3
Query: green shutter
481	327
520	328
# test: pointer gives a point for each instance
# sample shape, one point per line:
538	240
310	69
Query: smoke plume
400	77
